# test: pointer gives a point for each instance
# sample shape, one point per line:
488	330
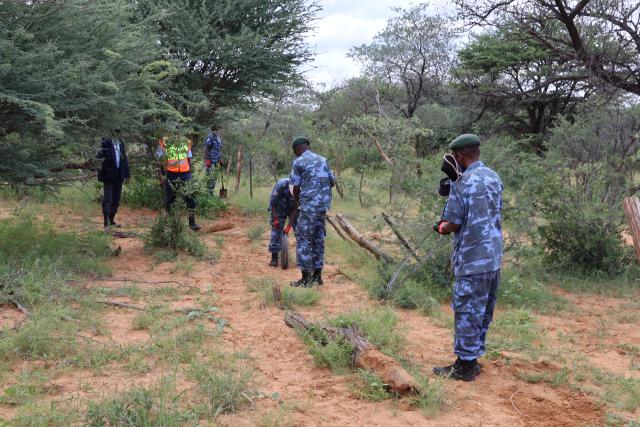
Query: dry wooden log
336	228
19	306
365	355
400	237
361	240
122	234
218	226
632	210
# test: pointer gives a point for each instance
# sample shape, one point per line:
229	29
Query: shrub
580	233
170	231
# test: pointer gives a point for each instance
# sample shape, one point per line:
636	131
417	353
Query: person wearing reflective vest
175	150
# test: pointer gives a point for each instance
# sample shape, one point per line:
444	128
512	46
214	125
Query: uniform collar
475	165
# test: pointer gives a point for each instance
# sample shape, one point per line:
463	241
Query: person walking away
473	215
112	173
281	207
213	156
175	149
312	181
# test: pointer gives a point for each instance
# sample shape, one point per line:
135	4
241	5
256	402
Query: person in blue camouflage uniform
473	214
281	207
312	180
213	156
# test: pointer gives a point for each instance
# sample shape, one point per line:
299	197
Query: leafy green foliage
170	231
380	326
366	385
293	297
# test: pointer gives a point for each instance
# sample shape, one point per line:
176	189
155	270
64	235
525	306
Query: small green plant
29	387
328	353
380	326
432	396
170	231
367	385
292	297
255	232
224	389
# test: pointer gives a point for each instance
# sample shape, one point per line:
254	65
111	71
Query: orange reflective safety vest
176	151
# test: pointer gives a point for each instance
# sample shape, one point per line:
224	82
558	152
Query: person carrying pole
473	214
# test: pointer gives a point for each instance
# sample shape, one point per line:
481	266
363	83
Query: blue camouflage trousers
310	234
275	244
474	299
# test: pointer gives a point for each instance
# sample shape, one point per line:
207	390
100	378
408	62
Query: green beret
300	140
464	141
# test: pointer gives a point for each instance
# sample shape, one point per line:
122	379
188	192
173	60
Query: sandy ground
318	396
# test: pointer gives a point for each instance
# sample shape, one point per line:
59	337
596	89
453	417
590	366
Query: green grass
170	231
526	292
223	389
292	297
36	261
255	232
514	331
366	385
380	326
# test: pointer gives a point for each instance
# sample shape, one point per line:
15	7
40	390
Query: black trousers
174	181
111	198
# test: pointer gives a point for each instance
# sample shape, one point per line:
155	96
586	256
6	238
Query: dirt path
317	396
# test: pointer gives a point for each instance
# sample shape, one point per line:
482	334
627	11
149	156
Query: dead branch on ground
365	355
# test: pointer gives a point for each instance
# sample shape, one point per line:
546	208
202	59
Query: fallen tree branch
361	240
218	226
19	306
123	234
365	355
146	282
400	237
123	305
335	227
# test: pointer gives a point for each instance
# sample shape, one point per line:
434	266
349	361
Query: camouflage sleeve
296	176
454	212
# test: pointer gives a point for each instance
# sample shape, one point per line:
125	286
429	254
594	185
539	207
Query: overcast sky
343	24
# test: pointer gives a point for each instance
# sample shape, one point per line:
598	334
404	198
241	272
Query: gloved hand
207	163
287	229
439	227
276	223
450	167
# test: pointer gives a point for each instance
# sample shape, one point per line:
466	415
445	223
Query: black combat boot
106	222
112	221
192	223
274	260
317	277
305	282
463	370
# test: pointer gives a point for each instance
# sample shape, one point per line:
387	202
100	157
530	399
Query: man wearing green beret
473	215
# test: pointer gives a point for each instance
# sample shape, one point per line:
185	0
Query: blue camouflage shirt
475	202
312	173
212	148
281	198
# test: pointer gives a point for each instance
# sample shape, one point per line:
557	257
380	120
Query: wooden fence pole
632	210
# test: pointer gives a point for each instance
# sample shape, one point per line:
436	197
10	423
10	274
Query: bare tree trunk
250	177
239	168
632	210
229	166
361	181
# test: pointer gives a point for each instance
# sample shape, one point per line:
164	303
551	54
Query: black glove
450	167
